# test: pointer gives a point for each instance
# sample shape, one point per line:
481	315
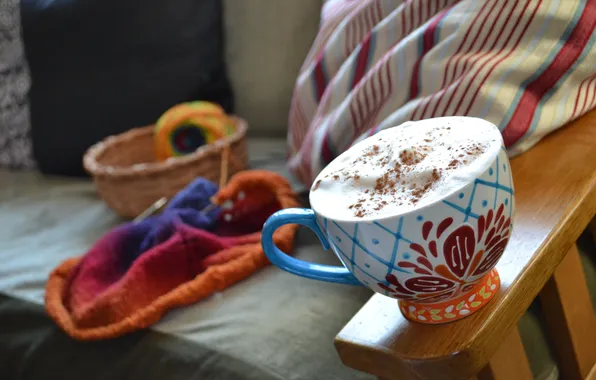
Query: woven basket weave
129	179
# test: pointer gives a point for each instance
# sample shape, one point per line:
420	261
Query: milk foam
404	168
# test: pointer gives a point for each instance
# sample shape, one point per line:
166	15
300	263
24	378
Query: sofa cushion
266	42
100	68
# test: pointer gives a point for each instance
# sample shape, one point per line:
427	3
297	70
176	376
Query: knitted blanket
139	270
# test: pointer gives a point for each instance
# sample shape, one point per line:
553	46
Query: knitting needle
155	207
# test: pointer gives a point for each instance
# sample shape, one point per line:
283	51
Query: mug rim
369	219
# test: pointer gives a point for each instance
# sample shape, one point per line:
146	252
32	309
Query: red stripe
383	68
431	11
588	93
385	96
585	98
353	113
301	122
489	16
326	153
361	60
372	110
465	39
429	8
364	94
356	110
411	17
448	65
370	12
361	111
373	91
458	77
492	55
498	62
358	25
592	94
575	44
579	91
418	10
428	41
320	77
586	82
477	54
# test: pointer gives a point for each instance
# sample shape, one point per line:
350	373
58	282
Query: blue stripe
468	210
371	48
493	184
393	233
511	198
461	209
497	181
354	240
379	259
358	266
538	37
396	244
547	62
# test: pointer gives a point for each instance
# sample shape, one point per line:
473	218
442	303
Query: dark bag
100	67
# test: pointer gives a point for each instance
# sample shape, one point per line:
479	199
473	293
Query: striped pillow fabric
525	65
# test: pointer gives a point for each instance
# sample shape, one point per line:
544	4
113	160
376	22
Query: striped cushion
526	65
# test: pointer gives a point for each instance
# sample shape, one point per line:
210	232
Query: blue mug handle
305	217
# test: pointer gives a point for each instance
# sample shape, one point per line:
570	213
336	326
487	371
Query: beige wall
266	43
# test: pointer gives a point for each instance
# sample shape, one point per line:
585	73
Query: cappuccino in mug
405	167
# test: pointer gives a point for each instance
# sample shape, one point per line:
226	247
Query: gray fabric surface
33	348
277	325
271	326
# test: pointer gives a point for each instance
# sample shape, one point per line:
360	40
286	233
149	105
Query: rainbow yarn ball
186	127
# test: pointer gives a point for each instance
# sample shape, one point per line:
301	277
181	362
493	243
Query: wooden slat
567	308
593	228
509	362
592	374
555	186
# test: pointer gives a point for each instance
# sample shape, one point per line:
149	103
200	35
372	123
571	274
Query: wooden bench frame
555	185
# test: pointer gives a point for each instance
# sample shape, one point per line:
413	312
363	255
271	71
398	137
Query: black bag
101	67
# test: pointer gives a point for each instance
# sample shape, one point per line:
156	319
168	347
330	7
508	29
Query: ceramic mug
438	260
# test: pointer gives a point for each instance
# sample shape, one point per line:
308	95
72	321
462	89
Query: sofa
271	326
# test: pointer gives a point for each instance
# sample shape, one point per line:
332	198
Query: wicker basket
129	179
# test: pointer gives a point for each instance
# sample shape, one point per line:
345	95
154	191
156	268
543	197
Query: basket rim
96	169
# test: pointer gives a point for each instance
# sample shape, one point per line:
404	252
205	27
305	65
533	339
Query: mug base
456	308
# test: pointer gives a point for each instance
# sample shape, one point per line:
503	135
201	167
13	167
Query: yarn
186	127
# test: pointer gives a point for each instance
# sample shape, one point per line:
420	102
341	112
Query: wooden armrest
555	184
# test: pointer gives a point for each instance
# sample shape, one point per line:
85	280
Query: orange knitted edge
213	279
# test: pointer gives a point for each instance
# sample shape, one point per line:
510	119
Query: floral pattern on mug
464	262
